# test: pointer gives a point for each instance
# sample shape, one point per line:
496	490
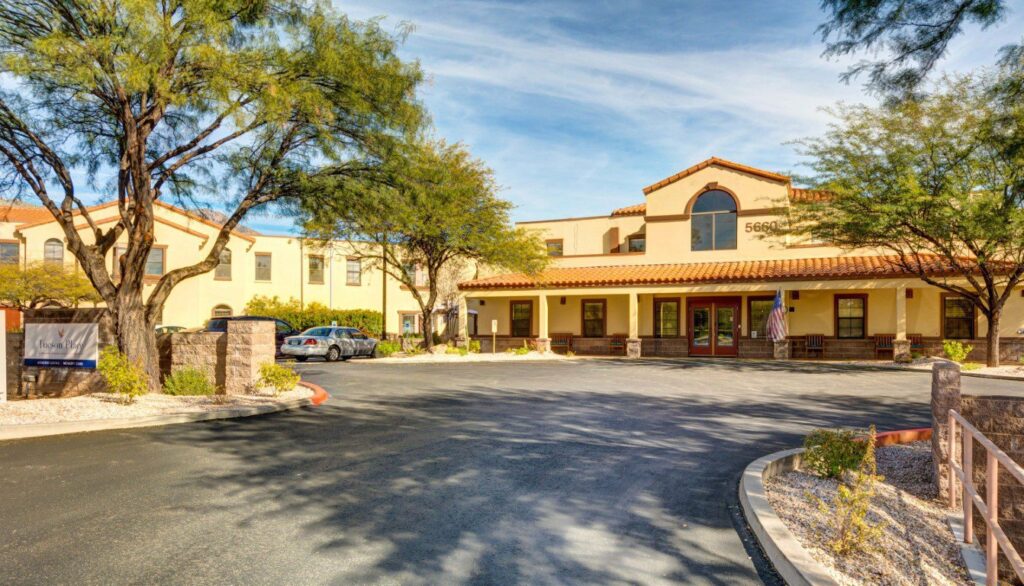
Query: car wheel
333	354
301	358
373	352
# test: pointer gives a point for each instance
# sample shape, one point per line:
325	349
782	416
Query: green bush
474	346
832	452
189	381
956	351
972	365
849	530
278	377
314	314
436	339
386	348
457	350
121	375
522	350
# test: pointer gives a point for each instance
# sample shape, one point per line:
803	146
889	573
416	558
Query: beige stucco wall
188	241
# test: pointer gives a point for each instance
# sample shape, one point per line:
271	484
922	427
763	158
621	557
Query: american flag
777	319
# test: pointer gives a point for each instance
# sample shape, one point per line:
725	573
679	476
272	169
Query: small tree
429	212
44	285
934	177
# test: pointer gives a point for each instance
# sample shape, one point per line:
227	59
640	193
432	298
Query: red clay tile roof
19	213
809	195
715	161
638	209
856	267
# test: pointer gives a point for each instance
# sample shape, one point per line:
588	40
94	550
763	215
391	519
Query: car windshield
324	332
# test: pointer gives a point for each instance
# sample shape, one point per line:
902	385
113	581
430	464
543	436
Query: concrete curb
971	553
790	559
14	432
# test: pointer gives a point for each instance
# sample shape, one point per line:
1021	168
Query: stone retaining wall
1001	420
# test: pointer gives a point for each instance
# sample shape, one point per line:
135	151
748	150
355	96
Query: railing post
968	468
992	504
951	457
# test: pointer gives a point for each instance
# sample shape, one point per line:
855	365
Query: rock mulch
472	357
916	547
108	406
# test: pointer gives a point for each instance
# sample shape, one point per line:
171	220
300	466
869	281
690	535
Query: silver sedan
329	342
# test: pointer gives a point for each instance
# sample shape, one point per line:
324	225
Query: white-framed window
353	271
263	266
223	270
53	251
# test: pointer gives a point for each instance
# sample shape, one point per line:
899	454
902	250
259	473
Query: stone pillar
945	396
780	350
462	336
901	351
633	348
900	345
543	343
250	344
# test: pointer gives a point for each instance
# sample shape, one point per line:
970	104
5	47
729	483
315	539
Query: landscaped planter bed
100	406
472	357
916	547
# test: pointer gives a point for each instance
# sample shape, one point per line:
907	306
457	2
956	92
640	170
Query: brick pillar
543	345
781	350
633	348
250	344
945	396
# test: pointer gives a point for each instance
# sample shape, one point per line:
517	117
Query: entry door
714	326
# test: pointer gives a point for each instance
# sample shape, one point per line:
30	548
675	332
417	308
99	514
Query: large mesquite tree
175	99
939	176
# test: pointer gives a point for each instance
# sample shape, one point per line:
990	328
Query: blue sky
577	105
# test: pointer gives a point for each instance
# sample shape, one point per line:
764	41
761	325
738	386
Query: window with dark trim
521	318
263	266
713	221
637	243
957	318
554	247
851	316
758	310
156	262
223	270
666	318
594	313
316	269
353	271
9	253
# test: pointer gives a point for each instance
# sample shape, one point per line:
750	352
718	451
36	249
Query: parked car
330	342
282	329
170	329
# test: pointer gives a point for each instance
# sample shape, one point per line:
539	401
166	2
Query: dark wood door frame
712	304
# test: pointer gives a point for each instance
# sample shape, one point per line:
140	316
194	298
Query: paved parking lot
584	471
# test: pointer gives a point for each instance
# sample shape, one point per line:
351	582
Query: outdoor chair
617	345
916	342
883	343
561	343
815	343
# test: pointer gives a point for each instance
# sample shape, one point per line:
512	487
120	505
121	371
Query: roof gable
716	162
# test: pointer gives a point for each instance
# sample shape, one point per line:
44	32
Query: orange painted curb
319	394
903	436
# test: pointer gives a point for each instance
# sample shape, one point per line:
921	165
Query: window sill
263	281
315	283
222	278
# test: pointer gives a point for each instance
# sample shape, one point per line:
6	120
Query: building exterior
693	271
253	264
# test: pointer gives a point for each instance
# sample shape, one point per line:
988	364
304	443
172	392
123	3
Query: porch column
633	342
462	336
543	339
901	345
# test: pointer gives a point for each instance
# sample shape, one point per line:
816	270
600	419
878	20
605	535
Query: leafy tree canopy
44	285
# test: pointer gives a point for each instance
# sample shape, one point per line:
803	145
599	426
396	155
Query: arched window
223	271
221	311
53	251
713	221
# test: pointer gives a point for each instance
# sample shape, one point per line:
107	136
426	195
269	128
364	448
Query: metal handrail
995	537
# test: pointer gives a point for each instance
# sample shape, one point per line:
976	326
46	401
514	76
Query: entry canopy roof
832	268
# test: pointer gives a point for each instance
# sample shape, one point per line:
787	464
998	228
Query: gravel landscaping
917	546
108	406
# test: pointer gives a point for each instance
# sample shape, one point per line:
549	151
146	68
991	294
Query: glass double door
714	326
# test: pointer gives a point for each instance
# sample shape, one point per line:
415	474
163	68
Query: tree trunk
136	336
992	356
428	329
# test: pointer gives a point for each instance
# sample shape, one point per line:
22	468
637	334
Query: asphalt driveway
581	472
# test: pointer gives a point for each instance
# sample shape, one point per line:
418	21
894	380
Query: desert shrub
189	381
956	351
832	452
121	375
474	347
436	339
569	354
278	377
849	528
972	365
313	314
386	348
522	350
457	350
